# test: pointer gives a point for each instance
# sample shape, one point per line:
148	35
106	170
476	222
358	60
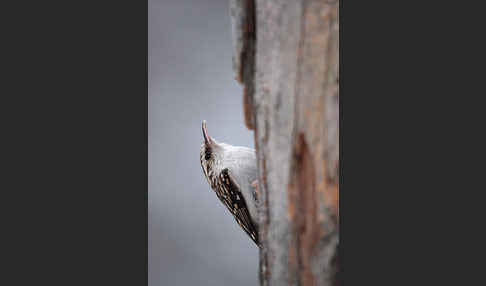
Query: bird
231	172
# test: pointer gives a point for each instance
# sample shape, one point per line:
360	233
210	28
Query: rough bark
294	110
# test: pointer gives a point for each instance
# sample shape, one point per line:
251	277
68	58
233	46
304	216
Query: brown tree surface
286	54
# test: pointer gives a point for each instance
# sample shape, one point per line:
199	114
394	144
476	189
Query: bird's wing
235	202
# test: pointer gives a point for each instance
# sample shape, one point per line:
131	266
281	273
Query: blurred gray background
193	240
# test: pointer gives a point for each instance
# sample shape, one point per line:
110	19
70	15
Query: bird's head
211	152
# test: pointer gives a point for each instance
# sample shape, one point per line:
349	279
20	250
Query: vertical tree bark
291	78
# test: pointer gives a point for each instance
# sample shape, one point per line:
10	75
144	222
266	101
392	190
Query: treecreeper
231	172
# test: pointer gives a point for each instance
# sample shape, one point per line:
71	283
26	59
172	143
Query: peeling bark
242	14
291	98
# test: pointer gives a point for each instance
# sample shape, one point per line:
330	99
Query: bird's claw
254	184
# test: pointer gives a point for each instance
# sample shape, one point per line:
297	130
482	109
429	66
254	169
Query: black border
74	101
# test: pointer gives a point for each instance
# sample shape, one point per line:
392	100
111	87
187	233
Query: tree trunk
286	54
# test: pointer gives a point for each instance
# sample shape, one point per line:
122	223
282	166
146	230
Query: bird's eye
207	156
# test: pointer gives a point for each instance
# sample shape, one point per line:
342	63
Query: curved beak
207	138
